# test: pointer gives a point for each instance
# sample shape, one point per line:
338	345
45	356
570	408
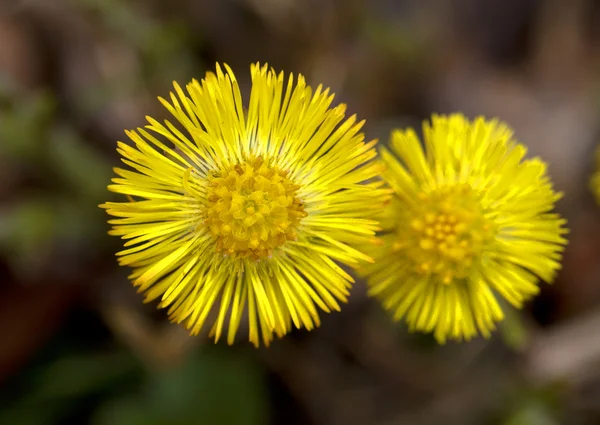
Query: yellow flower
246	211
471	220
595	180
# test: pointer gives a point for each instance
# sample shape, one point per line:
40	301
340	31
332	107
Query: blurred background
77	346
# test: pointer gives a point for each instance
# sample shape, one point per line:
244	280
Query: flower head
246	212
471	220
595	179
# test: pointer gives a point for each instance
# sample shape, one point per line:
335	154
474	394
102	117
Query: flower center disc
447	234
252	209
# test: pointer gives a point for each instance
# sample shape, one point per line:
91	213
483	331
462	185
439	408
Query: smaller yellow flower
471	220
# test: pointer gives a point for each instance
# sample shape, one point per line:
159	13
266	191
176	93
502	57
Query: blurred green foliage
213	385
163	49
536	406
68	182
24	122
512	329
69	174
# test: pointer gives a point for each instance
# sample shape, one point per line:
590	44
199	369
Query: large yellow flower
247	211
471	220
